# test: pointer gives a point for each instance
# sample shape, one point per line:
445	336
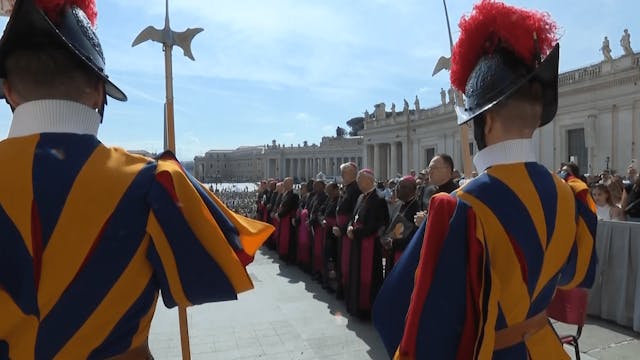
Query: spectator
631	201
605	207
616	188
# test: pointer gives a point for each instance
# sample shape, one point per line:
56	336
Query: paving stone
290	317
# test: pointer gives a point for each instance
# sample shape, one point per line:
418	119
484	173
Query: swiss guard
91	234
476	282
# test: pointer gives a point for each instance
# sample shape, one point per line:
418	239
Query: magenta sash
303	255
331	222
366	271
319	232
345	250
284	235
276	234
342	220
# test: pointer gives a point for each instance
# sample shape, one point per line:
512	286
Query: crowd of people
348	236
93	234
239	200
617	197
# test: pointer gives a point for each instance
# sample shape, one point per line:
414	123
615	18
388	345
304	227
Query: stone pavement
289	317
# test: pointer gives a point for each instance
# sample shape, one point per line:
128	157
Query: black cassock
371	218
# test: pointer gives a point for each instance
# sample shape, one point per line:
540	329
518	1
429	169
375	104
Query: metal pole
464	129
446	14
170	128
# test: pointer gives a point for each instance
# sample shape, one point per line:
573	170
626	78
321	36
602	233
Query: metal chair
570	307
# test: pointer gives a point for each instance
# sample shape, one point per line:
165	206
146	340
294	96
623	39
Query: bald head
366	180
288	184
348	171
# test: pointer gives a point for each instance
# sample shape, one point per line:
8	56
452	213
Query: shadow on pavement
610	325
363	329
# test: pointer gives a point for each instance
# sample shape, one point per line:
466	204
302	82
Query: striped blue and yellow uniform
492	255
91	234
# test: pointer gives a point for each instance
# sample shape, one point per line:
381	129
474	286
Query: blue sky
294	70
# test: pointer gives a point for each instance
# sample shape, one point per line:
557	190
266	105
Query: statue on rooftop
606	49
625	42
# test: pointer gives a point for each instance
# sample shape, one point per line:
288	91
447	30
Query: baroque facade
596	125
242	164
302	162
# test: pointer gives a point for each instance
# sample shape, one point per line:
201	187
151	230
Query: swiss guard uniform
494	252
91	234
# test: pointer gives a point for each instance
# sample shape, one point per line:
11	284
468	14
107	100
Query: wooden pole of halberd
171	145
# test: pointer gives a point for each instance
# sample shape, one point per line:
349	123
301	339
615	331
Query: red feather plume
53	8
493	24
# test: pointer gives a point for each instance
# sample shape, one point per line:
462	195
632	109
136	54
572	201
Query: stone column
366	155
376	158
394	160
300	168
416	157
267	168
282	166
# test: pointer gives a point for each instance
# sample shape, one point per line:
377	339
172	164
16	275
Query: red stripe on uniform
524	271
165	179
441	210
475	274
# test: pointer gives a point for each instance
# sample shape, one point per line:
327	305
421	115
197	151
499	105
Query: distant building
597	125
306	161
252	163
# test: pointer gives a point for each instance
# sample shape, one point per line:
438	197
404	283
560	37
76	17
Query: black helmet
500	49
71	28
498	75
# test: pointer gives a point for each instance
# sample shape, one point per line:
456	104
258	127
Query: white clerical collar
54	116
506	152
